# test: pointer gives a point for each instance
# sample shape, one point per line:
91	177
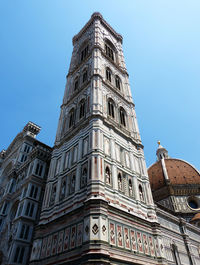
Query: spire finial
158	142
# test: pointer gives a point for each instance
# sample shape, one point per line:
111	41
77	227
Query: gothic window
130	187
76	84
108	74
33	192
24	231
122	115
38	170
85	76
111	108
71	118
29	209
82	109
107	175
84	53
109	51
63	189
19	255
141	193
117	82
27	148
120	181
84	177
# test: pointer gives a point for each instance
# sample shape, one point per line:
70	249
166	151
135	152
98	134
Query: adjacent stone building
97	206
23	170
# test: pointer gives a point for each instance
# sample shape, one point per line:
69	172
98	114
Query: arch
111	108
108	74
122	116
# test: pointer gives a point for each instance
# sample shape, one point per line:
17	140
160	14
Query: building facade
23	170
97	206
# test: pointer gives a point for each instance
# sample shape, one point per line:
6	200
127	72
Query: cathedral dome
179	173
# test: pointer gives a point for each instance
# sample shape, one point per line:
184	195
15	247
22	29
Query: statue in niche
120	181
84	178
107	175
73	180
130	187
63	189
141	193
53	195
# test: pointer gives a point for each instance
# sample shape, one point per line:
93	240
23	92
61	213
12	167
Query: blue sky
161	42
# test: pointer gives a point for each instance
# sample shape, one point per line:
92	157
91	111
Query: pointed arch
111	108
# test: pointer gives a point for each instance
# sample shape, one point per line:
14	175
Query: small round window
193	202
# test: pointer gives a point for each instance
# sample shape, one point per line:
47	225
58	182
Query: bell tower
98	206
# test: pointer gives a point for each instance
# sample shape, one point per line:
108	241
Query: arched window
85	76
117	82
122	114
108	175
120	181
84	52
108	74
109	50
71	118
76	84
141	193
82	109
111	108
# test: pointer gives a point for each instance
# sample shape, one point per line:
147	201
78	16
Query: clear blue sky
162	53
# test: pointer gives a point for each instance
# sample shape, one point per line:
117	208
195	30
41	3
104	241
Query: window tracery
109	51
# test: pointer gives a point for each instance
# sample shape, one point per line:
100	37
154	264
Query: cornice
97	16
